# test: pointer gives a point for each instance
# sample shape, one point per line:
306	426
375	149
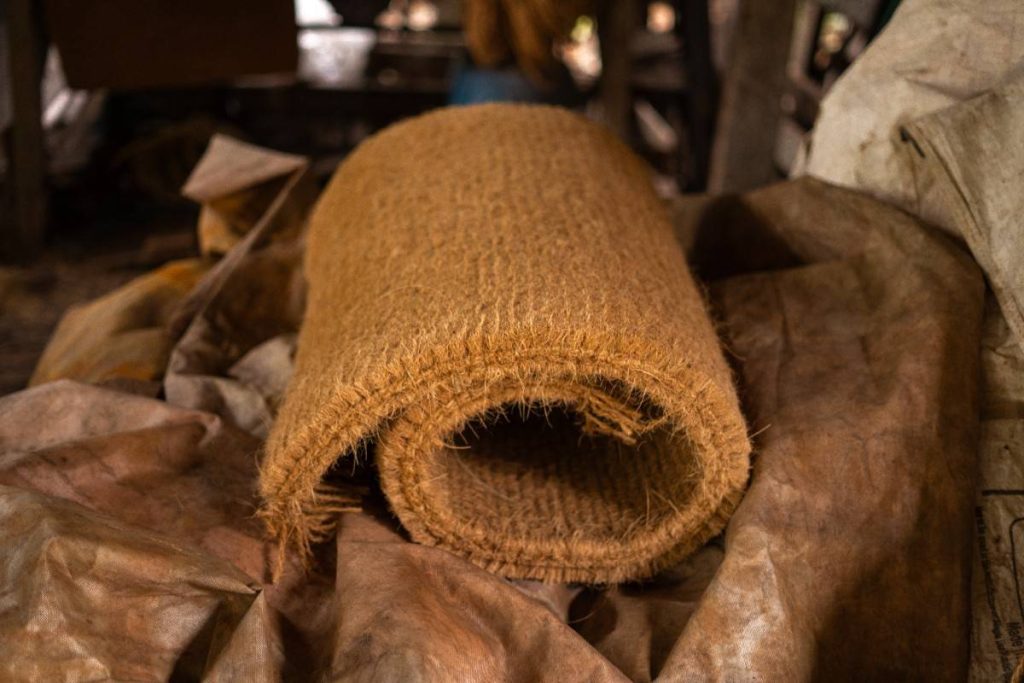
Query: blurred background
107	105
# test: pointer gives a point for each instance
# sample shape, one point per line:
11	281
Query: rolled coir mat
498	312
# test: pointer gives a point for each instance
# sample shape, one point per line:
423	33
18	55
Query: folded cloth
499	311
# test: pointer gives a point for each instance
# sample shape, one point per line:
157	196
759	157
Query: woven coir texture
497	305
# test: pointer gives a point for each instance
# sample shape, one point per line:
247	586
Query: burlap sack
498	308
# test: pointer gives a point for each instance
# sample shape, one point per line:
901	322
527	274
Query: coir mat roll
499	313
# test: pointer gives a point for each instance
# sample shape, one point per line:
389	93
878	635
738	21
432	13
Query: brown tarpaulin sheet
931	118
131	551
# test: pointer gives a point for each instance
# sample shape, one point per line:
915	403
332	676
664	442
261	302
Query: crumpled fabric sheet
99	600
121	337
969	159
968	162
931	118
931	55
255	296
235	184
857	495
131	551
997	641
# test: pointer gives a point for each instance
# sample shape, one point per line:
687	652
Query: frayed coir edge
308	521
299	511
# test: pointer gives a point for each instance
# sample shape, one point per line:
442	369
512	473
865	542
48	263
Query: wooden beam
24	220
616	23
742	157
701	92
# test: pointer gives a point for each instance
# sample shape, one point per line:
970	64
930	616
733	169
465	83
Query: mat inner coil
541	466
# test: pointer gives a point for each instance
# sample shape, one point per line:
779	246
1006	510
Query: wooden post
701	91
743	156
616	23
24	218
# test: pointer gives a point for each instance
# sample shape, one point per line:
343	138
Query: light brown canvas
498	309
855	333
